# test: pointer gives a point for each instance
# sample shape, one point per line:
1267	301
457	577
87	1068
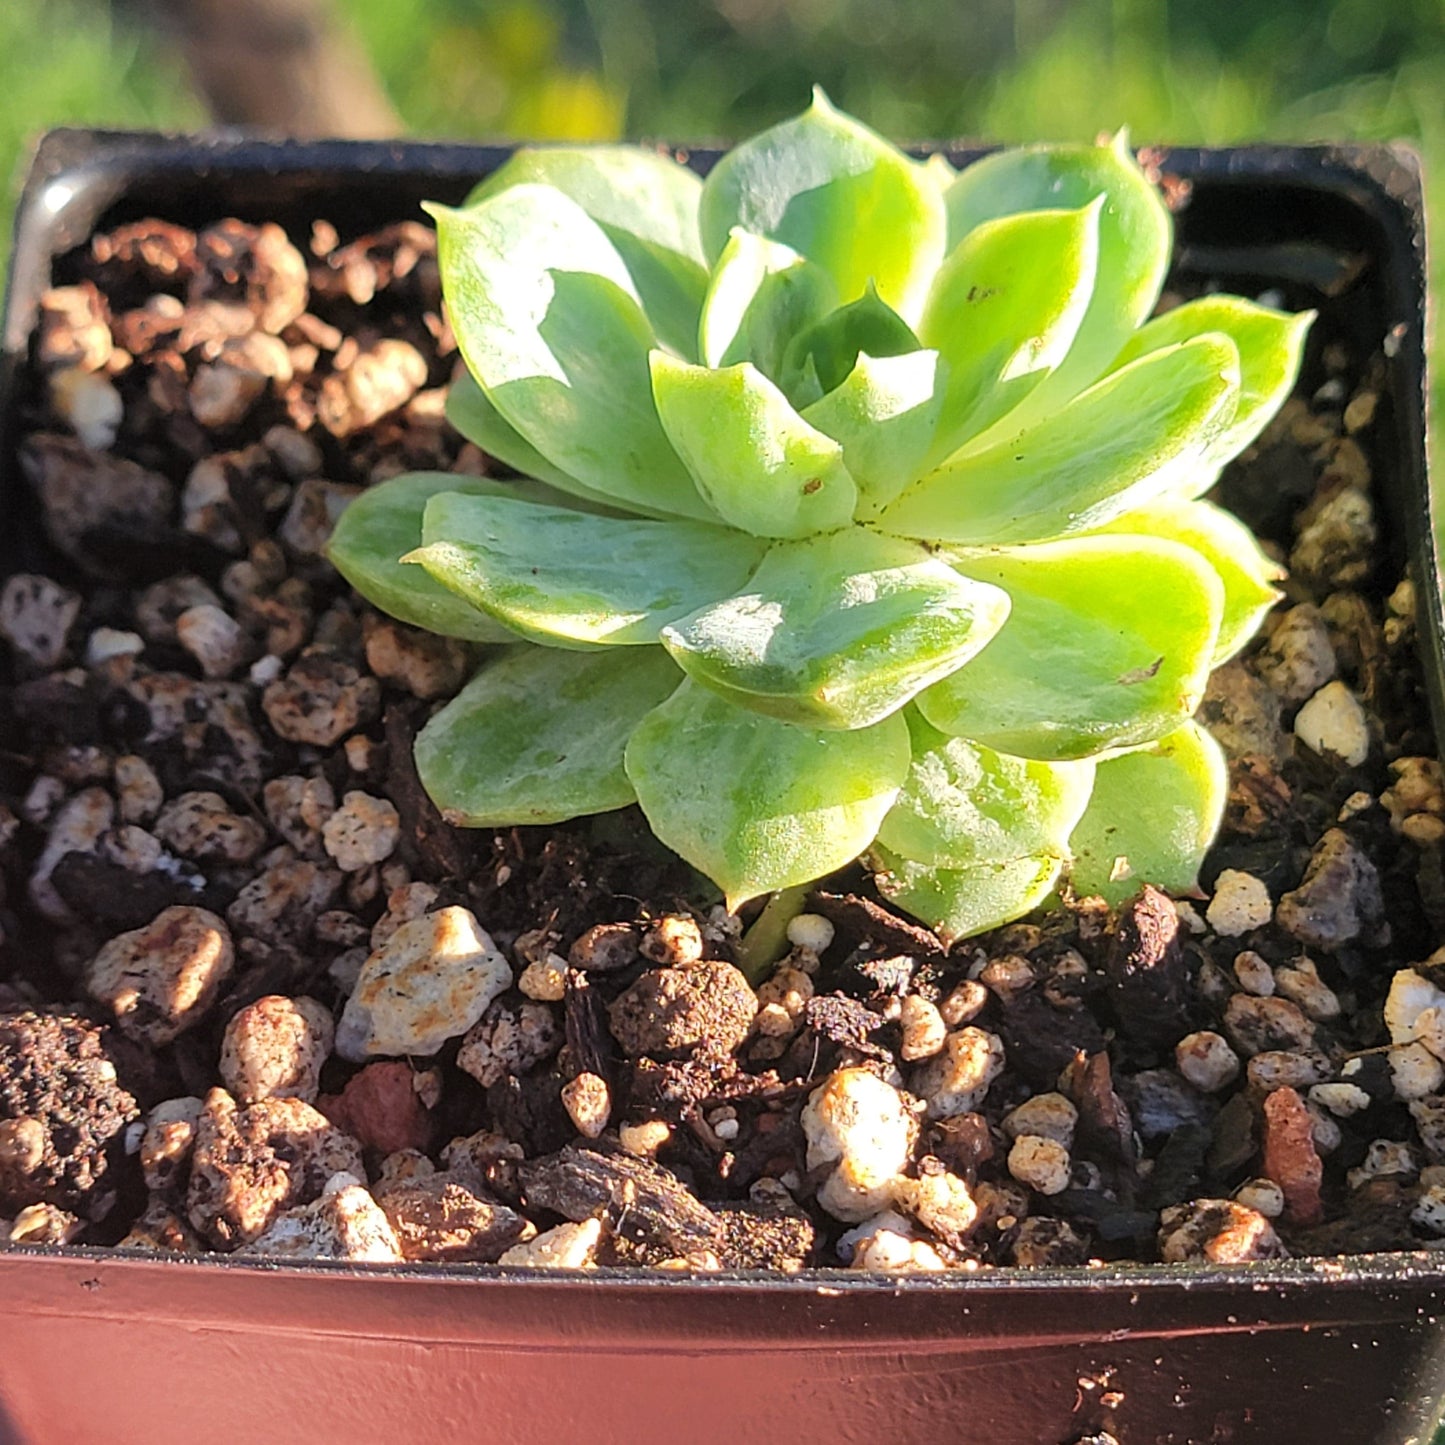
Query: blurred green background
1171	70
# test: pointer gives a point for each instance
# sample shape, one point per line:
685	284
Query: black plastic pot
98	1346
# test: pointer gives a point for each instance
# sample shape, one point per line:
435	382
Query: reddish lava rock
1290	1158
380	1109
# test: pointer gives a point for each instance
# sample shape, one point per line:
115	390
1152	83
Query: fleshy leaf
832	344
547	318
1004	310
759	464
1122	443
762	294
1152	817
839	194
566	579
759	804
1270	345
959	902
1134	240
838	631
647	205
884	415
1246	570
965	804
381	526
1108	645
513	747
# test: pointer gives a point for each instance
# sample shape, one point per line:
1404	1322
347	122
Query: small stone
1332	723
252	1163
275	1048
380	379
166	1143
604	948
73	329
1255	1025
1429	1116
1417	789
381	1109
1342	1099
941	1202
362	831
1042	1164
1162	1103
1339	899
344	1223
545	979
281	905
1429	1210
674	941
1254	974
1290	1158
1242	713
646	1138
426	665
316	507
1411	995
439	1218
706	1006
89	405
588	1102
1263	1196
1299	658
863	1126
320	700
956	1080
509	1039
214	638
77	827
1384	1157
107	645
1042	1243
1241	903
1415	1071
1300	982
1050	1116
1335	548
201	826
811	931
1286	1068
159	606
429	982
36	616
160	980
1360	411
567	1246
1216	1231
964	1003
924	1030
44	1224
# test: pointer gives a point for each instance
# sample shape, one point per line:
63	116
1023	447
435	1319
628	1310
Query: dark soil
198	714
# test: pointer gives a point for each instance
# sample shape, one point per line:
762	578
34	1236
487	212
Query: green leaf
564	578
884	416
469	411
1270	345
960	902
537	736
1134	241
832	344
647	205
1152	817
1108	645
840	195
1004	311
758	804
1125	441
762	294
381	526
547	318
838	631
759	464
1247	571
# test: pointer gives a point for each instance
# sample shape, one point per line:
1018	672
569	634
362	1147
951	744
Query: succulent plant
859	515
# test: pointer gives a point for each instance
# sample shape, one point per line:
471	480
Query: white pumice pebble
90	405
941	1202
1342	1099
1416	1072
1429	1210
1300	982
1333	723
1410	995
923	1029
1384	1157
1051	1116
1241	903
1042	1164
1253	974
811	931
275	1047
105	643
957	1078
362	831
429	982
1206	1060
864	1128
890	1220
545	979
1264	1196
589	1104
568	1246
964	1004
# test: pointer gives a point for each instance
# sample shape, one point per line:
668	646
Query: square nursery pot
122	1347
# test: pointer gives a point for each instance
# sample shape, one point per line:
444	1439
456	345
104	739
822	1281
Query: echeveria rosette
861	516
